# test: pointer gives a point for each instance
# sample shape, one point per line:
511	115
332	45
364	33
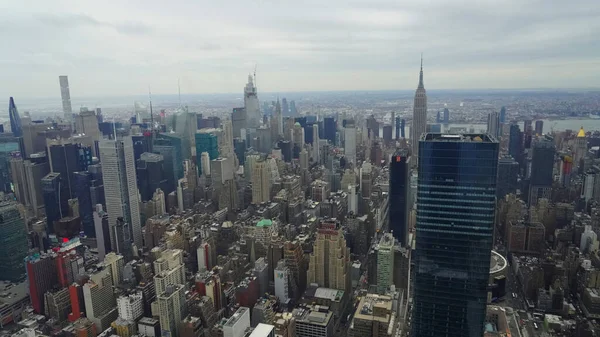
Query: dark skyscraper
455	221
515	143
150	175
539	127
527	134
397	121
446	116
542	167
399	195
13	238
55	208
387	134
15	119
508	173
66	159
402	126
82	184
330	129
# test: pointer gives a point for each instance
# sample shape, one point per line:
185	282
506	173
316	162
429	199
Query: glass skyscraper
399	195
206	141
454	233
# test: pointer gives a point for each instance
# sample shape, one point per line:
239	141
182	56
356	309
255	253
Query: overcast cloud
122	47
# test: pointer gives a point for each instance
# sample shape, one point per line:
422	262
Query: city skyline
336	46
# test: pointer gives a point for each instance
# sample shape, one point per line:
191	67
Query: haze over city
120	48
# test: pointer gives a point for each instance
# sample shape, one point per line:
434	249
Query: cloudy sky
122	47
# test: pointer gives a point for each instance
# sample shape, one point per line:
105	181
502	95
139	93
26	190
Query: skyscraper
150	174
419	123
82	185
330	260
580	147
9	148
399	201
120	185
385	263
238	121
172	309
206	141
253	114
55	208
454	235
100	303
284	107
67	157
282	282
493	124
503	115
508	174
539	127
15	119
329	127
542	169
261	182
350	142
86	123
13	242
65	94
515	143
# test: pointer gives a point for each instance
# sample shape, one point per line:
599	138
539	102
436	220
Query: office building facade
120	185
456	194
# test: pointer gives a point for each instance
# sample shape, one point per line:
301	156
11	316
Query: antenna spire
179	91
421	85
151	113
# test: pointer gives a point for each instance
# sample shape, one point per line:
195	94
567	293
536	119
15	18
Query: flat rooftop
466	137
236	316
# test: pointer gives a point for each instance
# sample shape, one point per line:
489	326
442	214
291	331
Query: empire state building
419	122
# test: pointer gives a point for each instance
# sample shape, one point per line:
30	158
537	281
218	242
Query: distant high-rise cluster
320	218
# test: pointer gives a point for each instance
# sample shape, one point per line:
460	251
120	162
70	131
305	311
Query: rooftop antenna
179	91
114	129
151	114
255	85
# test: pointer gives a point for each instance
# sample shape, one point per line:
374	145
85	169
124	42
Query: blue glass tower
15	119
170	147
455	221
55	206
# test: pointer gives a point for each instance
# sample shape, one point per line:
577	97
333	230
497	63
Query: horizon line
336	91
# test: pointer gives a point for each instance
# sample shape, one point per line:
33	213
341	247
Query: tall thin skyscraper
65	94
542	169
493	124
350	142
284	107
120	187
253	113
419	123
15	119
454	235
399	195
